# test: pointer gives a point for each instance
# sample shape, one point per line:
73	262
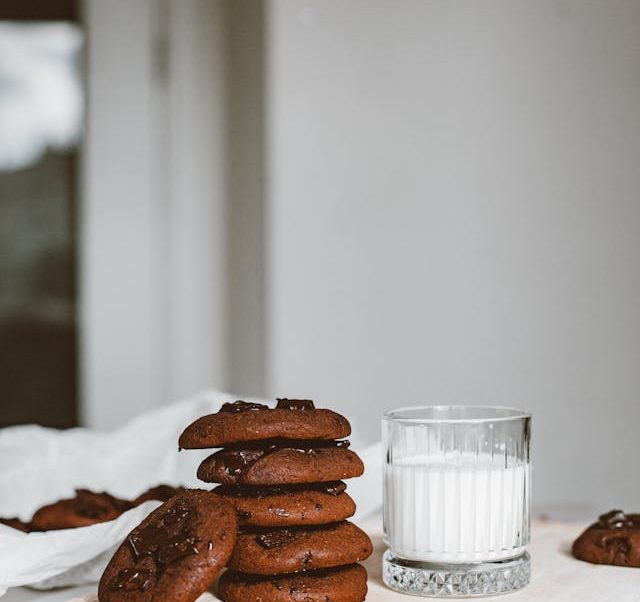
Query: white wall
172	266
454	217
121	361
153	211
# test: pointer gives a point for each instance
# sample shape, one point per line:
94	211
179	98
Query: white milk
471	511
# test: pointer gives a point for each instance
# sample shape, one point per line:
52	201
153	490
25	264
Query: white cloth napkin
39	466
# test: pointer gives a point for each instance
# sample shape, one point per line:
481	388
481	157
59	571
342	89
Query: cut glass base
431	580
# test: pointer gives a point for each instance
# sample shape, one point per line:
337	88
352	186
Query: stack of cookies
282	470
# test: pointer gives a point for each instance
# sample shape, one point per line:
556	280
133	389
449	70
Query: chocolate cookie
274	552
16	523
280	466
241	421
87	508
174	554
344	584
314	504
614	539
160	493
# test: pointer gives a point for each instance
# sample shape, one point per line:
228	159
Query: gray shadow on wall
245	139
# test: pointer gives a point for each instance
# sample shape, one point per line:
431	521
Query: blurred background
371	203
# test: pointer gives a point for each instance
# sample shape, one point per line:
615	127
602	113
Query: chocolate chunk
299	405
242	406
237	461
164	542
335	488
274	539
134	580
615	519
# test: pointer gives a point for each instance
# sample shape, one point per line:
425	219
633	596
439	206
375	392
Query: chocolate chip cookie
344	584
614	539
285	506
241	422
16	523
290	550
86	508
175	554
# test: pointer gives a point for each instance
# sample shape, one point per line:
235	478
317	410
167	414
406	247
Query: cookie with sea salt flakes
285	506
175	554
241	422
343	584
614	539
291	550
281	466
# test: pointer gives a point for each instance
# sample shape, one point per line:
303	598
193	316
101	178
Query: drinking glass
457	482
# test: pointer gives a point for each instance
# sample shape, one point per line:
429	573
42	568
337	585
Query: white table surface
557	576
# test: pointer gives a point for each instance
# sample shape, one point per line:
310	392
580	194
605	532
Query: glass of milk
457	483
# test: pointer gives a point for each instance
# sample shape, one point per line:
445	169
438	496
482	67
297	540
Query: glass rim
517	414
